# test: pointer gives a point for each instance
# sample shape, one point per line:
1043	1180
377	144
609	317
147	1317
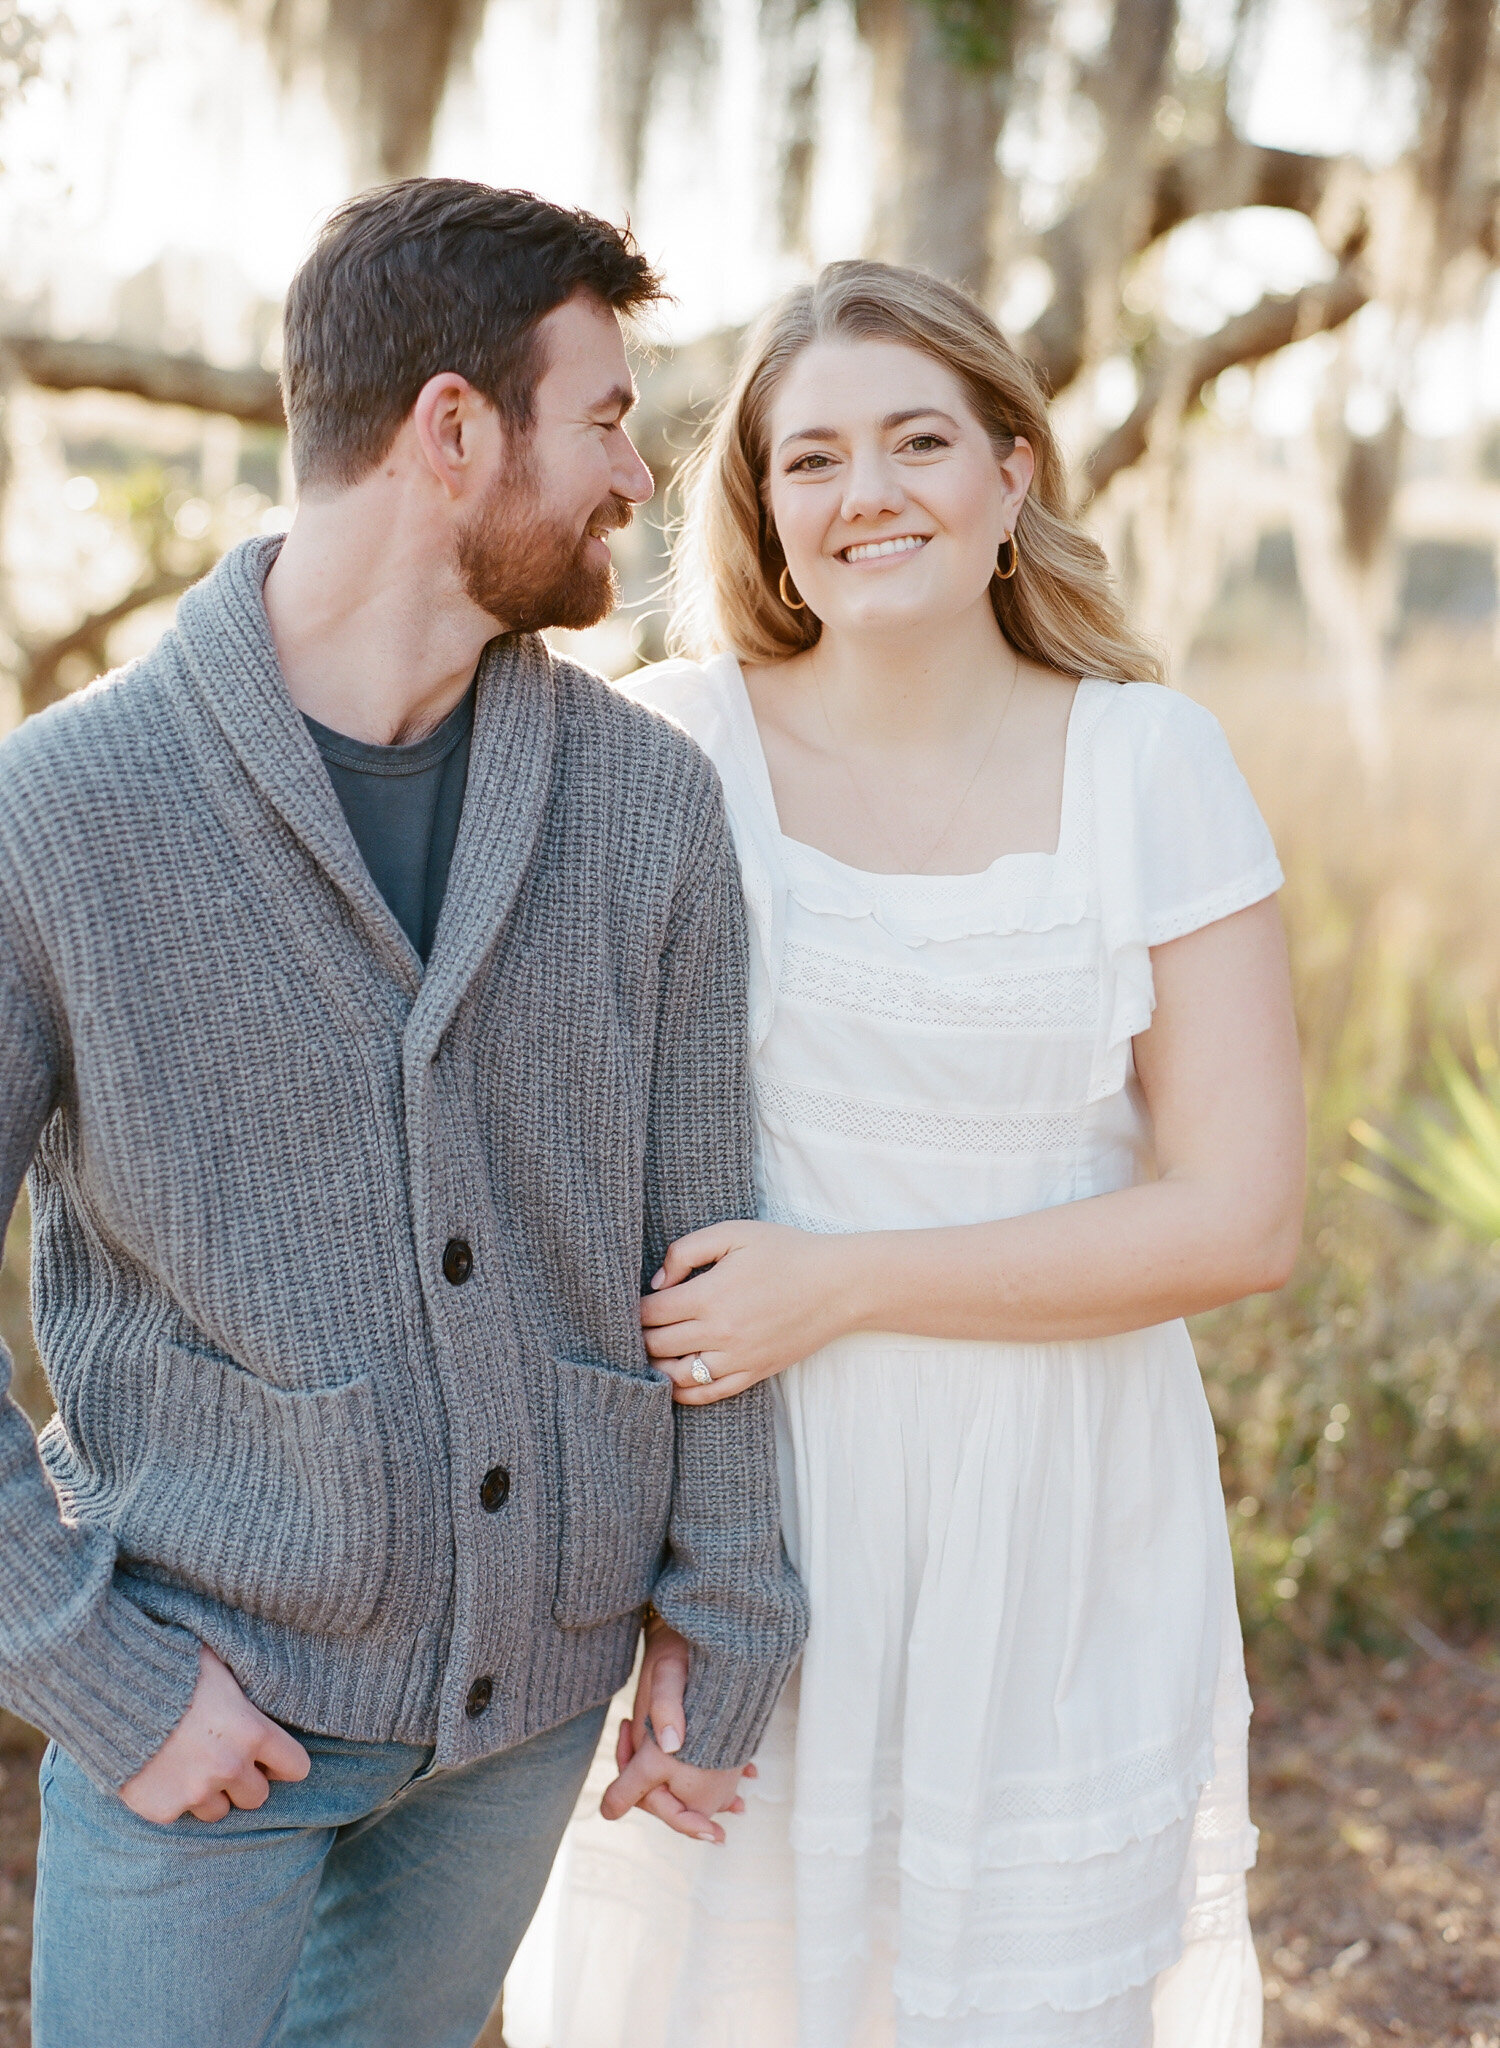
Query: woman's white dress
1003	1802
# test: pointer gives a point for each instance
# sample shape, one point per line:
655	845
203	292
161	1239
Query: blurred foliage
1444	1166
1358	1411
176	528
1357	1417
28	1385
21	43
977	35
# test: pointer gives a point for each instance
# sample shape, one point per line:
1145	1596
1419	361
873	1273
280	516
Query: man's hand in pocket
224	1752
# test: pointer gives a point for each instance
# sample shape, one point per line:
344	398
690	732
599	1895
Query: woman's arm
1220	1072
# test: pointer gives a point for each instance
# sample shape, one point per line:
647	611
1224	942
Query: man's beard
529	571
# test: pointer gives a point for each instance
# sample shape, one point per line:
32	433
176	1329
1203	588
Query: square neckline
874	877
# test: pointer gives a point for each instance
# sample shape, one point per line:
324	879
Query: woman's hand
769	1297
685	1798
679	1794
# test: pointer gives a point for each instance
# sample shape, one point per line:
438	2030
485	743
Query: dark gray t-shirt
403	805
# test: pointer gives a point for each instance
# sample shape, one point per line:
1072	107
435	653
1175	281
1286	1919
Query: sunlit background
1253	247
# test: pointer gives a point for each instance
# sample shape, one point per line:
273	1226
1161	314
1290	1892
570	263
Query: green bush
1357	1414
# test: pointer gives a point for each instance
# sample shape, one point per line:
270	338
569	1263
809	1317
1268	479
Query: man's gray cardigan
337	1264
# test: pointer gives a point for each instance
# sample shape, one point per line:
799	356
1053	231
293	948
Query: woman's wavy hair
1059	609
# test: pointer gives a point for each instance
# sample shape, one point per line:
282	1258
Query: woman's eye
923	444
808	462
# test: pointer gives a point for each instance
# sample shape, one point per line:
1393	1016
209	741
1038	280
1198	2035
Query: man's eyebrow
619	401
892	419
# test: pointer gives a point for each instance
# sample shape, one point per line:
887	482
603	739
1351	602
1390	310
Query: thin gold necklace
868	808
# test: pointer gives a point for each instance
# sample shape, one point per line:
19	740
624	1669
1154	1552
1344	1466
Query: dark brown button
494	1489
458	1262
481	1692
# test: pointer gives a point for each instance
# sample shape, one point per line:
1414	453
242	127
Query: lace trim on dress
1036	1133
804	1219
1053	999
1123	2022
1238	895
1070	1934
1072	1818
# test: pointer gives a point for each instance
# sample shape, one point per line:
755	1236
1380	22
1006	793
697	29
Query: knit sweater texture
336	1262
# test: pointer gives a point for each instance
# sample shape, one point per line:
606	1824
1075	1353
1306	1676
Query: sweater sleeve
727	1584
76	1658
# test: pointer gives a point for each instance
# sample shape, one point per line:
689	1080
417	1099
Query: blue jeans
371	1906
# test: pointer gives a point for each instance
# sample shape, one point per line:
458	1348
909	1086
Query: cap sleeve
1180	842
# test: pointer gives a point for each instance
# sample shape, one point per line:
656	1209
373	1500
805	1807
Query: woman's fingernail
658	1277
671	1741
705	1836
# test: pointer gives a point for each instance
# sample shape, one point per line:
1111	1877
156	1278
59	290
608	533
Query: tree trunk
937	124
385	66
1112	220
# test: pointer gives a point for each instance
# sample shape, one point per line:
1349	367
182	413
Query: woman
1028	1094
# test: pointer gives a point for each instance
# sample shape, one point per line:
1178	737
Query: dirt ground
1376	1900
20	1752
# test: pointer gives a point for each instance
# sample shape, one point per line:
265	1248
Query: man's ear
457	433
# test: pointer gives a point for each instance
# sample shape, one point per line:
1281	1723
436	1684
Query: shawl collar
512	759
226	641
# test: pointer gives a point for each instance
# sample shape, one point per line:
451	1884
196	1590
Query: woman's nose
871	488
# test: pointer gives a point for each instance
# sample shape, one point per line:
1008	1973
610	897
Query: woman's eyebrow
918	412
891	421
809	434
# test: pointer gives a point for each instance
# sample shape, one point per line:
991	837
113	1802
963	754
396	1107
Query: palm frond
1444	1166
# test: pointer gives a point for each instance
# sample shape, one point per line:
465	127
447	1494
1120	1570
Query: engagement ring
700	1371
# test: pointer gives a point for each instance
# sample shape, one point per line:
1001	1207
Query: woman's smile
897	548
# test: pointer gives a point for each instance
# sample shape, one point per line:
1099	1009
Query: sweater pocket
615	1456
274	1503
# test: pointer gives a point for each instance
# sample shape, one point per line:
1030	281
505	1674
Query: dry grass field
1359	1411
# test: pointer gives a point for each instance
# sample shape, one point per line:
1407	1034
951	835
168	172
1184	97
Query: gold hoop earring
793	604
1014	545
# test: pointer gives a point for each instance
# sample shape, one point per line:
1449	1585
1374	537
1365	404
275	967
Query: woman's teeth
904	544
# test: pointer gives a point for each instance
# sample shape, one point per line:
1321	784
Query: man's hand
222	1753
681	1795
661	1689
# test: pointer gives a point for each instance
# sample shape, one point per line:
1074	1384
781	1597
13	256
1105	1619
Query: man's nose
632	479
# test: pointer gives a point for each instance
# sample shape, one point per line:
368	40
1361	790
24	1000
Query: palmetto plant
1445	1163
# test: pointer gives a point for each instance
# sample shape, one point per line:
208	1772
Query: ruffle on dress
918	910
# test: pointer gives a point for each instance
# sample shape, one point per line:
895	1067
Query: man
371	1019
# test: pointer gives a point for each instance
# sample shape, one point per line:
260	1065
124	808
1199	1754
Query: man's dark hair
427	275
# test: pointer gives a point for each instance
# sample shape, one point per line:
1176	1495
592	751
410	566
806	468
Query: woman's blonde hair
1059	609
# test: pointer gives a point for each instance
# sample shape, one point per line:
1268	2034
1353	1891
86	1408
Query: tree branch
251	395
1218	176
1181	375
1089	247
39	686
1210	178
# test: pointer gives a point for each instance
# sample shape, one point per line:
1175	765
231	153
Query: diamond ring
700	1371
